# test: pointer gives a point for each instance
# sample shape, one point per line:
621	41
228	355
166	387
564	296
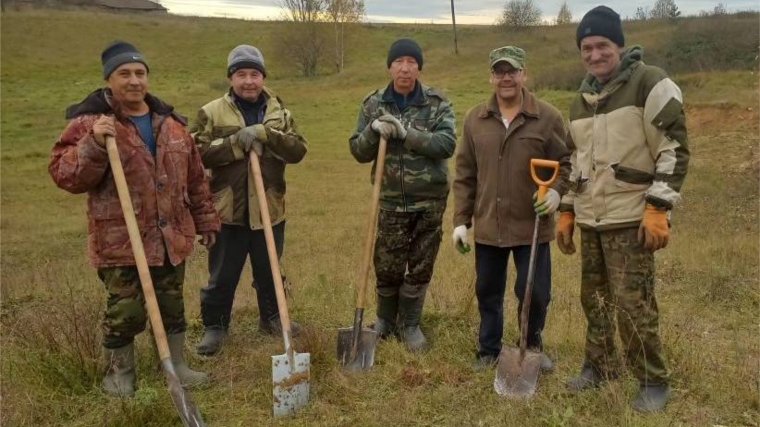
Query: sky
434	11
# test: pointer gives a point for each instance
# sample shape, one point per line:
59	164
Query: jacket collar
416	97
98	102
529	106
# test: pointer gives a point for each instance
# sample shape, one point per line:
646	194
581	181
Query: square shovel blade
365	353
515	377
291	383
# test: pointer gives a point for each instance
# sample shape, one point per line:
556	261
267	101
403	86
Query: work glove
460	239
565	227
383	128
653	231
251	138
399	131
548	205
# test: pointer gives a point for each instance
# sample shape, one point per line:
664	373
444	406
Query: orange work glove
654	232
565	227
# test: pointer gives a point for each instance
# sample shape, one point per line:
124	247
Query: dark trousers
491	268
226	260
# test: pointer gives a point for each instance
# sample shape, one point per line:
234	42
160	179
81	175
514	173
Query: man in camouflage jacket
249	117
418	123
629	161
170	197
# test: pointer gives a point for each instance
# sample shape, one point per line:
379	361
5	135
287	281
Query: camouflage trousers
125	314
617	289
405	250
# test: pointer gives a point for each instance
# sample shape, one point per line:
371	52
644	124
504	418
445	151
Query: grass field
707	284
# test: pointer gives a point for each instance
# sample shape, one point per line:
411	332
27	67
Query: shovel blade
515	377
188	412
291	383
365	353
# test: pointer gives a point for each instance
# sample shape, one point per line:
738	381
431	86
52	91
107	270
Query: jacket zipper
401	162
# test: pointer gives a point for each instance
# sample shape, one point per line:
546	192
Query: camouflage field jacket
232	184
170	193
416	174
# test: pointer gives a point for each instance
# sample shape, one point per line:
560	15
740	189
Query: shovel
186	409
290	371
356	345
517	370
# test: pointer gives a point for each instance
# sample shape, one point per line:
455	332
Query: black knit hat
405	47
601	21
118	53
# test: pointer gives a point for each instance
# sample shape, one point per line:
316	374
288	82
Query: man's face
129	83
601	56
507	81
404	72
247	83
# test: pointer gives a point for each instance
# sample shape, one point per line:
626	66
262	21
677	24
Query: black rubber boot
410	312
589	377
211	342
651	398
120	377
487	361
187	376
387	311
274	327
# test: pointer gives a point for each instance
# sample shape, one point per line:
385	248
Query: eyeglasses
501	72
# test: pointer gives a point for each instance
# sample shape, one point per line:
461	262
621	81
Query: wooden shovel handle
369	243
274	263
151	304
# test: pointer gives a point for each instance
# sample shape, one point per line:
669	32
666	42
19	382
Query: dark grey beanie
118	53
405	47
601	21
245	56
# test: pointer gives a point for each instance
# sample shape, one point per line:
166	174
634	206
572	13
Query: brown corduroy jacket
493	188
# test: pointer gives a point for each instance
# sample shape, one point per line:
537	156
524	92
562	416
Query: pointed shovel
186	409
518	368
290	371
356	345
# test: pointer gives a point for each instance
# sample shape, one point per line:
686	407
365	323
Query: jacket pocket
223	202
422	124
112	237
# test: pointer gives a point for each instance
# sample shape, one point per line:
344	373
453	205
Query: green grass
51	299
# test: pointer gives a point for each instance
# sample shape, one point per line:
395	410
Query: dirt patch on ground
706	119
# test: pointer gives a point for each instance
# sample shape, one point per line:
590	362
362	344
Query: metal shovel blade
516	378
365	353
186	409
291	383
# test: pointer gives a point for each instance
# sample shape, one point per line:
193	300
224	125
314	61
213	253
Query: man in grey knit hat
248	117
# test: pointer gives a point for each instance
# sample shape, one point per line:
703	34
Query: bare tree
720	9
642	13
665	9
564	16
520	14
303	39
343	13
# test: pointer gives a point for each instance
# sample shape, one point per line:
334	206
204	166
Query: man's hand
399	131
459	237
654	232
565	227
548	205
247	136
384	129
105	126
208	239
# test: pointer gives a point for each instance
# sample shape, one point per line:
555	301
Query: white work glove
548	205
459	237
383	128
399	131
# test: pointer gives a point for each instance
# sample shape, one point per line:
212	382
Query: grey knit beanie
245	56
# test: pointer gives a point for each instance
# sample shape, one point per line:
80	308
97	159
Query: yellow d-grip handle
543	185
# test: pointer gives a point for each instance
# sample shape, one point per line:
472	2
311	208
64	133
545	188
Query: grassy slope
708	284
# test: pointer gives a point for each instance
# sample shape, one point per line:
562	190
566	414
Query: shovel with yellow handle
518	368
186	409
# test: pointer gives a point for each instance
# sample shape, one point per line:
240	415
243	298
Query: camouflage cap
511	54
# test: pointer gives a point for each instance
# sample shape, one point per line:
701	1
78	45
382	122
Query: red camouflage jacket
170	192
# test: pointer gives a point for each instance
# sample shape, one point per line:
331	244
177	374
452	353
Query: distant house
118	5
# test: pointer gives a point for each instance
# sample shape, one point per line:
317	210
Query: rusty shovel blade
186	409
361	358
515	376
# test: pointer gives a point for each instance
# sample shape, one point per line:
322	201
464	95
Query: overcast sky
435	11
